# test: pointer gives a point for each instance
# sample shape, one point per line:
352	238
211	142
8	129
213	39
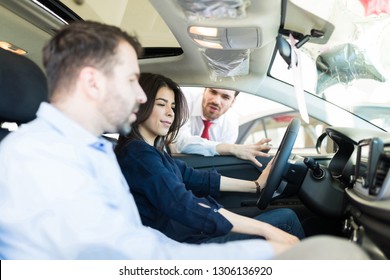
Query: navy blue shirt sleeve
157	177
198	181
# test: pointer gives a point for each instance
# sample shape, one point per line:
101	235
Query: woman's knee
287	212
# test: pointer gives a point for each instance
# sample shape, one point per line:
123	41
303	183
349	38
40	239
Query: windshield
352	69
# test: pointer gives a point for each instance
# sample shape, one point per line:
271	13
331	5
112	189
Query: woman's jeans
284	219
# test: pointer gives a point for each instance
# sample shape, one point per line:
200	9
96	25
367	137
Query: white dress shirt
63	196
223	130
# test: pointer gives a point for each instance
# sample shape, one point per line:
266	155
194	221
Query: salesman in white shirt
212	128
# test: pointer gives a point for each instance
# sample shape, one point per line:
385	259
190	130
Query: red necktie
205	133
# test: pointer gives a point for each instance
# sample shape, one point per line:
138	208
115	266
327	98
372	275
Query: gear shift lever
312	164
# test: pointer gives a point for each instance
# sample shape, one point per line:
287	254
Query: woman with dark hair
152	83
177	199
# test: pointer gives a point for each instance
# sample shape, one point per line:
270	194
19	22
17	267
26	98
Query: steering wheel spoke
279	164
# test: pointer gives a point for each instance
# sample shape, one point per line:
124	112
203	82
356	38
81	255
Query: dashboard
362	165
352	194
372	177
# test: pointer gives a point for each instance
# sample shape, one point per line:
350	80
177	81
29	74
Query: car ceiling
185	69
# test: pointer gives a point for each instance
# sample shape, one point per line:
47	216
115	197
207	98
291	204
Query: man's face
216	102
123	91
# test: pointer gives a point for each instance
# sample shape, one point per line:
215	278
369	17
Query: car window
274	127
263	118
11	126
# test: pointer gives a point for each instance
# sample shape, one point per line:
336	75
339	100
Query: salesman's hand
251	151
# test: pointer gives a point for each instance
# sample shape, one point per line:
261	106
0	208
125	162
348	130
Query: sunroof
140	19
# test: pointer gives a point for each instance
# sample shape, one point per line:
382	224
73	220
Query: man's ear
91	81
204	92
234	100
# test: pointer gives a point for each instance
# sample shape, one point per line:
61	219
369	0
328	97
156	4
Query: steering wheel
279	164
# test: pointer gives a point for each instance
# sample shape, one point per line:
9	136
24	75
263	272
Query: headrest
22	88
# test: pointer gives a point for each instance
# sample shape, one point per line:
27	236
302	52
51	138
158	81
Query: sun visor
226	63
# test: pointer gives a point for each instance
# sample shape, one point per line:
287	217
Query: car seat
22	88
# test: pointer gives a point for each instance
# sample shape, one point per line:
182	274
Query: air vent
382	172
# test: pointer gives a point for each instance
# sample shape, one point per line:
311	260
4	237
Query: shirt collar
70	129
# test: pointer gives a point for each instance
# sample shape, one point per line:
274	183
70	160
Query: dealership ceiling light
12	48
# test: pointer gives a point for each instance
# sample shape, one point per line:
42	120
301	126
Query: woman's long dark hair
151	83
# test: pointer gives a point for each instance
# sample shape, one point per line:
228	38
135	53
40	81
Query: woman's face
162	116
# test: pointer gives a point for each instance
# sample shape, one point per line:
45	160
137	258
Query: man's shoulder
32	135
20	134
229	118
24	143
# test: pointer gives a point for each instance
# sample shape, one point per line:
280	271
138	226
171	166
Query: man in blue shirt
62	194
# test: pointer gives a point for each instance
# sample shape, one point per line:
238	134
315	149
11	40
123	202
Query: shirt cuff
215	183
216	224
